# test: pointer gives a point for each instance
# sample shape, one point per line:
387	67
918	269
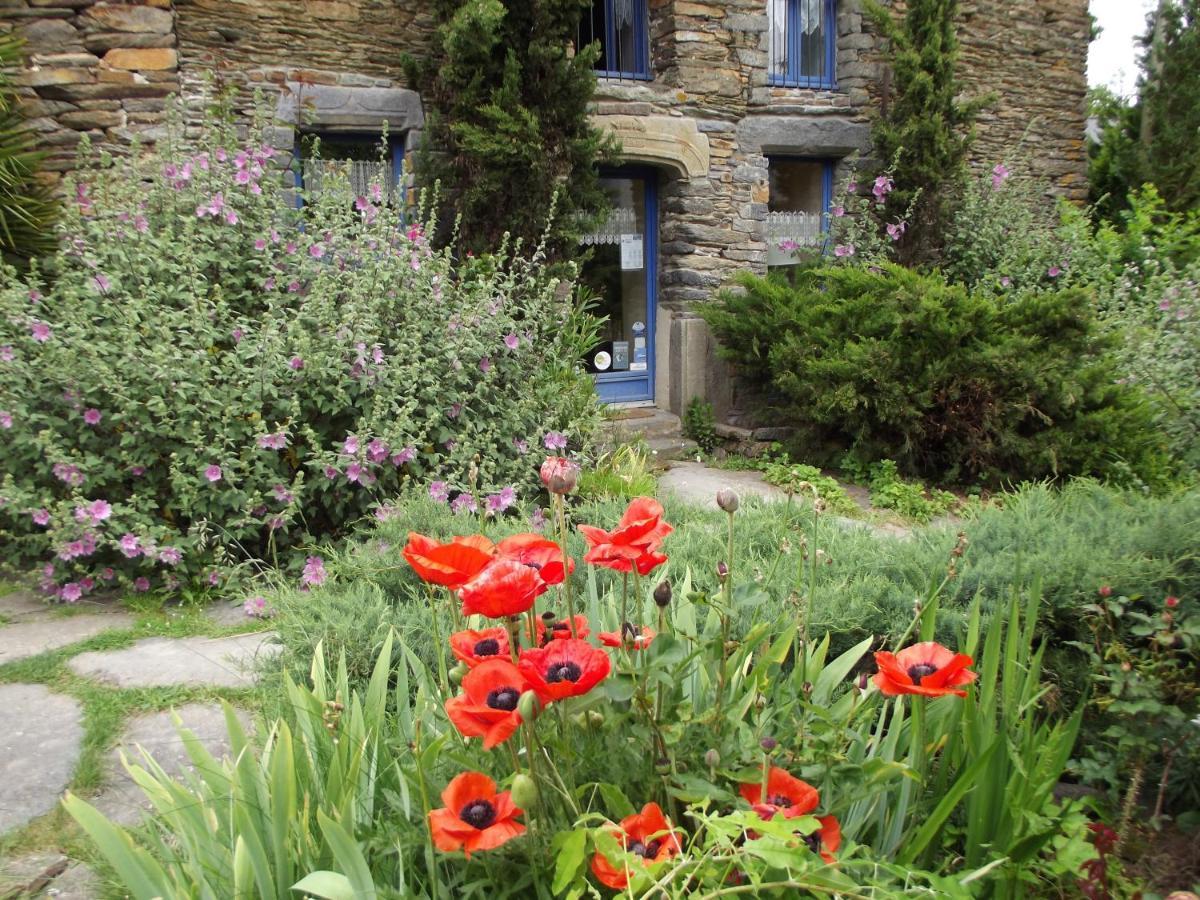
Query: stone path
41	730
156	662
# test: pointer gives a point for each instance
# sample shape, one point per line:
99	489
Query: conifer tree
1169	126
925	131
508	134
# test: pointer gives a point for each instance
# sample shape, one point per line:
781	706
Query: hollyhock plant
647	835
475	816
927	669
487	707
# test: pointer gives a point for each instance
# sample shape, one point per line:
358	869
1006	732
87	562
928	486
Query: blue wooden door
622	273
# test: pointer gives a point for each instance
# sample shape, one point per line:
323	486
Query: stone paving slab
21	640
157	662
40	733
48	875
697	483
122	800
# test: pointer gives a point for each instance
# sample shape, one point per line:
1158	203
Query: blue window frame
361	151
622	29
798	208
803	39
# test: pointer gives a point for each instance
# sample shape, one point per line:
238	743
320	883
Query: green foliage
926	128
1114	161
28	208
338	798
273	384
949	383
621	473
808	483
1145	656
508	134
910	499
700	424
1169	95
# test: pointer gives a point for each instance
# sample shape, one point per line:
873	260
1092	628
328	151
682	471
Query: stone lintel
340	108
803	136
674	142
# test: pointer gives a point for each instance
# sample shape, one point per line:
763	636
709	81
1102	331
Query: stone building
736	118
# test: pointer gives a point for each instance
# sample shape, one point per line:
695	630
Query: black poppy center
645	851
478	814
504	698
563	671
487	647
814	841
917	672
779	800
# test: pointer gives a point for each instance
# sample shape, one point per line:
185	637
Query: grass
107	710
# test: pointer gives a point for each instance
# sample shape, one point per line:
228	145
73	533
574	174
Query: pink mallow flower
170	556
40	332
555	440
92	416
999	175
213	473
6	419
141	585
377	450
296	363
439	491
41	516
511	341
314	573
407	455
498	503
131	545
258	608
843	250
99	510
71	592
6	353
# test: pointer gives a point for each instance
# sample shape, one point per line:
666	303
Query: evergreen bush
949	383
204	373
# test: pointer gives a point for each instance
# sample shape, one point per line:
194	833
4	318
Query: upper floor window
622	29
803	37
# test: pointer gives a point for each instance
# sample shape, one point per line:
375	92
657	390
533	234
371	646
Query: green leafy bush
909	498
808	483
700	424
28	207
203	372
949	383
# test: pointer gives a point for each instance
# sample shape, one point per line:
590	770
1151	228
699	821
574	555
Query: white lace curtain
359	173
619	222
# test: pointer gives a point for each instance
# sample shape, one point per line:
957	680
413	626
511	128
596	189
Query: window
803	35
622	29
357	157
798	209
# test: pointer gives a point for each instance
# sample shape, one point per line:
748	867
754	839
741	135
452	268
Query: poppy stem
435	627
430	863
514	637
560	513
624	601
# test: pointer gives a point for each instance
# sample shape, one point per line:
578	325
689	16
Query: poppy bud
1172	602
806	687
529	707
662	594
458	673
548	617
722	572
728	500
768	744
595	718
712	759
863	681
1105	591
524	791
662	766
559	475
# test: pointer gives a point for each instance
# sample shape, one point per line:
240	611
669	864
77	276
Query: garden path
695	482
63	668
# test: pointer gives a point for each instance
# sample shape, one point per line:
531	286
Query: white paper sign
631	252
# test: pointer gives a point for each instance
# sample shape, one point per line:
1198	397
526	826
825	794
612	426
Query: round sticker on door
602	361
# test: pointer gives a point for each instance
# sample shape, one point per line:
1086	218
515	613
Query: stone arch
667	141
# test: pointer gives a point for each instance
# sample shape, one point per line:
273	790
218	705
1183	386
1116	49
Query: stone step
649	424
665	449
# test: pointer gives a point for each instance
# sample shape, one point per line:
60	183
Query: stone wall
100	69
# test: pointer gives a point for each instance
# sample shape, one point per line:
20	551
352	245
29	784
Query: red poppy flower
640	532
826	839
786	795
629	637
503	588
561	630
487	707
473	647
928	669
648	562
566	668
542	554
647	835
451	565
475	817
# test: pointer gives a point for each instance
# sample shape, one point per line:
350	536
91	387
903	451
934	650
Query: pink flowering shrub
204	372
